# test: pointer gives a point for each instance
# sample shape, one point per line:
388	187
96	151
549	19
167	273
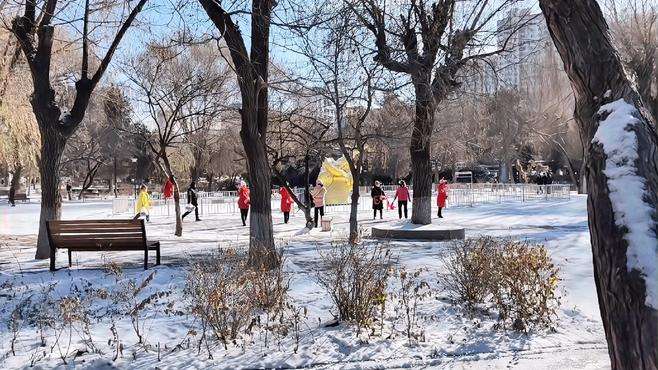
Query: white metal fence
459	195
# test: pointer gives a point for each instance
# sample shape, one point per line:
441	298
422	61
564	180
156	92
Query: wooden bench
21	197
100	236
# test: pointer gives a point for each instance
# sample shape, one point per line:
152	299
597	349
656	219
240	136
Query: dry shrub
356	277
413	290
469	270
228	297
515	278
526	286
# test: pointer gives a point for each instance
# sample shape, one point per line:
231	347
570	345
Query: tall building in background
525	38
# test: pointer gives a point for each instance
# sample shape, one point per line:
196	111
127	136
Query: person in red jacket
168	188
403	197
442	190
286	203
243	202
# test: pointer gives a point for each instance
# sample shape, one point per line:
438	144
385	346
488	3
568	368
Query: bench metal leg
70	264
146	258
157	255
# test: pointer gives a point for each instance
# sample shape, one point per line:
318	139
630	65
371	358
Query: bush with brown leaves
516	279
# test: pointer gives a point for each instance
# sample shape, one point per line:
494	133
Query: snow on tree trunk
622	181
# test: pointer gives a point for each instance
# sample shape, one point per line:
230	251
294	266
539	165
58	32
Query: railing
459	195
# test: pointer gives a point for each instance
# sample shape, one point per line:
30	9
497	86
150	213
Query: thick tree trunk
420	153
630	320
15	182
262	253
52	147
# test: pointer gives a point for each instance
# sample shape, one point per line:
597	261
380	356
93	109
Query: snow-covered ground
452	339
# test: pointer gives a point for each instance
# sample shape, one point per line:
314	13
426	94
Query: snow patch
627	191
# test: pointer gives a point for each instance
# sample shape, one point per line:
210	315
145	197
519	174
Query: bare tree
342	75
251	69
18	150
35	31
84	154
634	27
297	134
451	33
182	91
622	180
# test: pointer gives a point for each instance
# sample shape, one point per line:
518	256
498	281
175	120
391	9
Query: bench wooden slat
83	228
81	222
66	242
96	232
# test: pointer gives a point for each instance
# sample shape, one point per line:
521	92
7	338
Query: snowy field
453	340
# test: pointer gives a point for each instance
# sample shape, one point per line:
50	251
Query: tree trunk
15	182
630	318
209	178
420	153
262	253
582	185
354	209
166	166
52	147
89	180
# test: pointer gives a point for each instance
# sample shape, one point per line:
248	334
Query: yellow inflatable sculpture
337	179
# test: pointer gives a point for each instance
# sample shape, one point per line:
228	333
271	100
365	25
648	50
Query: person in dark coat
378	197
68	189
192	199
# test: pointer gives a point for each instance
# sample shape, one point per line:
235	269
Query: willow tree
182	90
622	180
430	42
36	30
251	70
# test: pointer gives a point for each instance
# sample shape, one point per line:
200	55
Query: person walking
286	203
143	203
403	197
243	202
68	189
442	190
192	201
318	194
168	188
378	197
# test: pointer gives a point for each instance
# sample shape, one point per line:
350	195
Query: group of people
317	195
403	197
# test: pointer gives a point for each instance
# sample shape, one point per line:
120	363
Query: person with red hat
286	203
244	201
442	190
